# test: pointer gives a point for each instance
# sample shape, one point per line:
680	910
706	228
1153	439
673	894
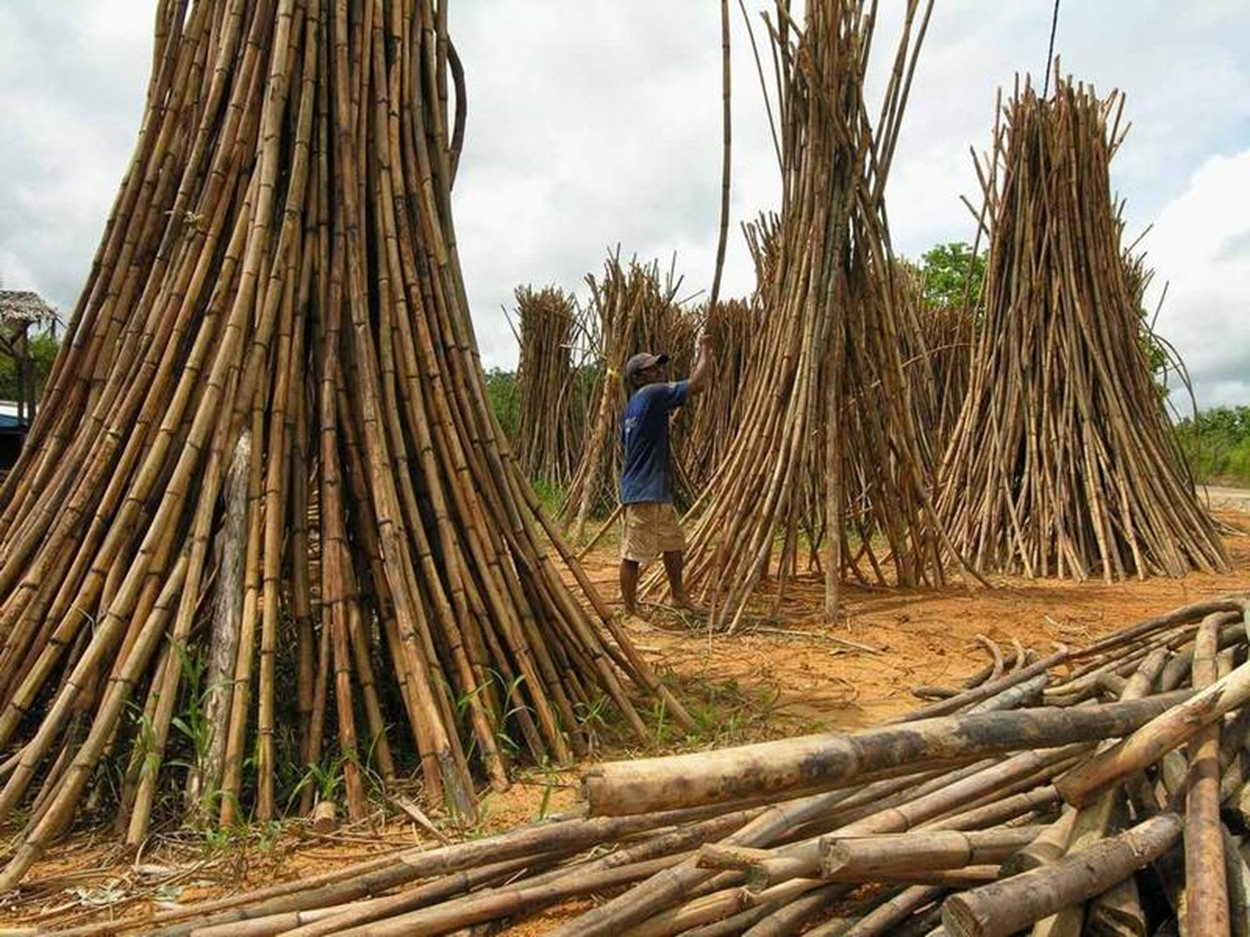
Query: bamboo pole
863	858
827	760
1206	886
1007	906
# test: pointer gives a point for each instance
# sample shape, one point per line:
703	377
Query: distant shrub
1217	445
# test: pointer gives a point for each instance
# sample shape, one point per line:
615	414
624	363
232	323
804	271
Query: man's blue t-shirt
645	476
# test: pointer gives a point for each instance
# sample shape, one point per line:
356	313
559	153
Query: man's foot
635	619
685	605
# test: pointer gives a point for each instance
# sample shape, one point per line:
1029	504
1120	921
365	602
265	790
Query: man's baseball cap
642	361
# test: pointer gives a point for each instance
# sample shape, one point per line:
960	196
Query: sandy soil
796	672
925	637
1226	499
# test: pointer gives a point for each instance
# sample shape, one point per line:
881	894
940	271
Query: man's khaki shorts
651	528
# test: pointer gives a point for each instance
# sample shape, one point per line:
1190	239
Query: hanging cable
1050	52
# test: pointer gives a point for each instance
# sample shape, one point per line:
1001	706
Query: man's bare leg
674	562
629	585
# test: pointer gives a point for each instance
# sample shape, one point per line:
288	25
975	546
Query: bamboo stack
552	419
1006	806
1063	462
734	326
828	440
948	334
633	310
275	329
711	420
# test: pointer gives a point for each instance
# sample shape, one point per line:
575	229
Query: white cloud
1201	242
597	122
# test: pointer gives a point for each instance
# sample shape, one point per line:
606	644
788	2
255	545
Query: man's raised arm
702	372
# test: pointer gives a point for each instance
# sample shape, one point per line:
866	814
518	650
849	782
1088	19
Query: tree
42	350
1217	444
501	389
945	272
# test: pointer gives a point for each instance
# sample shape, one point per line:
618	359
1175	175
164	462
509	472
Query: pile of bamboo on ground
1064	461
551	423
275	328
633	310
1006	804
827	439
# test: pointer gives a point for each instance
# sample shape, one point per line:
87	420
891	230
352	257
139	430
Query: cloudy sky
594	123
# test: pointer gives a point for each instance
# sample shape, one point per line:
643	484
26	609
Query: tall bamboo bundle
828	440
712	420
951	814
1063	461
948	341
633	310
551	424
276	329
734	326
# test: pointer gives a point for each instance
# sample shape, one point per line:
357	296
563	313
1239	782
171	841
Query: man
646	481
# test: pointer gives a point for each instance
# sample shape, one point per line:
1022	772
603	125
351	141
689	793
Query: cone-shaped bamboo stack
635	310
827	437
551	423
710	421
948	336
1063	461
939	365
265	482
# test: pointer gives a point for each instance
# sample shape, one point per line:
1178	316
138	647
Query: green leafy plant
326	776
501	392
1216	444
949	272
191	722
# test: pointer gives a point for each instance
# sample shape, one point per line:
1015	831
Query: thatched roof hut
19	311
25	306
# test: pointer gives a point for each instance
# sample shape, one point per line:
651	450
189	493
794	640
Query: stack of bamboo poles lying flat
1005	805
275	328
551	424
1064	462
828	440
634	310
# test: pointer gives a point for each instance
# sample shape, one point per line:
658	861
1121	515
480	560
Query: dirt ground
920	636
798	673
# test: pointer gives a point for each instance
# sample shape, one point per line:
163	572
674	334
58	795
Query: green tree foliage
945	274
1217	445
502	392
43	350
